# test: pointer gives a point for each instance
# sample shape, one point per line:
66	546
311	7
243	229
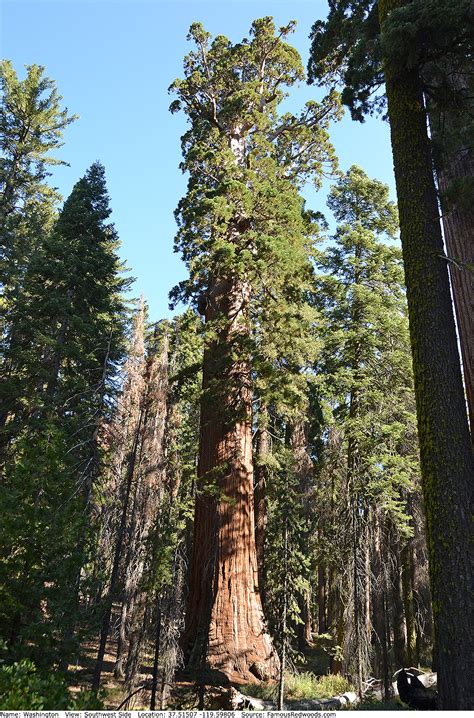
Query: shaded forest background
277	481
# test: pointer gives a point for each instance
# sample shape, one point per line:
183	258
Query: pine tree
242	234
65	351
31	126
445	449
365	374
434	39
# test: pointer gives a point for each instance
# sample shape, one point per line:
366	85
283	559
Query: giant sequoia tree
356	45
243	235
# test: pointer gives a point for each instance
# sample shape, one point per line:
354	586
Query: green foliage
243	218
372	704
307	685
262	690
286	556
22	687
365	365
349	48
31	127
301	686
61	354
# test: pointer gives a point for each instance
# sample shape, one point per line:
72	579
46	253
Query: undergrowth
300	686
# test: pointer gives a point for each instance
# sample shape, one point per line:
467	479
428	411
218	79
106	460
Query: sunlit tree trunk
224	617
263	449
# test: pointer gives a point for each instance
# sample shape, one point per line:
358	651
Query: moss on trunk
446	457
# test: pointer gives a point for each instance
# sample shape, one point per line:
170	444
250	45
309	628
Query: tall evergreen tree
125	435
65	351
446	455
435	40
243	236
365	374
31	127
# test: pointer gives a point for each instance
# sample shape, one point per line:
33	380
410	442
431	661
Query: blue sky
113	61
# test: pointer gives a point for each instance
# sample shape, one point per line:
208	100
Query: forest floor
113	691
308	682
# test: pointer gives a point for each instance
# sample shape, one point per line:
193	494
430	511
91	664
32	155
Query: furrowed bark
263	449
453	167
224	625
224	552
445	449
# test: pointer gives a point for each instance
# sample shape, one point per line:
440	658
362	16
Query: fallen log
239	701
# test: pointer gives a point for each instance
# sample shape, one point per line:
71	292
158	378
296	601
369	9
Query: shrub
23	688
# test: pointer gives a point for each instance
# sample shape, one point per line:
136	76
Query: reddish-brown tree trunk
224	619
260	502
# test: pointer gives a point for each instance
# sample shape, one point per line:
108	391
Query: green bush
23	688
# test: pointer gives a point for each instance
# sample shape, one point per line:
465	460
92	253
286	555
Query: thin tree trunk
322	626
105	626
306	627
398	612
380	622
407	579
281	682
445	447
385	643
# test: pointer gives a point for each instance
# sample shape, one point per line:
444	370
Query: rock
414	693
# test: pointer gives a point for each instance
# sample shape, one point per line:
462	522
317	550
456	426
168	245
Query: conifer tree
434	39
447	461
365	373
65	351
31	127
243	236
